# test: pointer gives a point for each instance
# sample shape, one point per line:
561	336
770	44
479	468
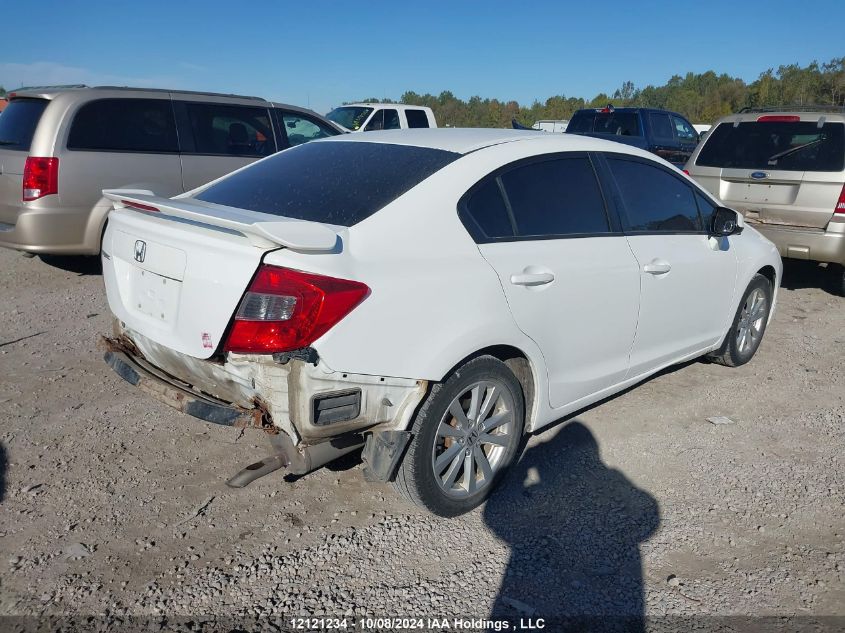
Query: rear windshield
18	122
334	182
788	146
615	123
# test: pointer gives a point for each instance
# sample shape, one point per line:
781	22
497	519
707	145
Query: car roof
466	140
372	104
805	115
48	92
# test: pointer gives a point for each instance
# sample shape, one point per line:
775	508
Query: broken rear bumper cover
311	413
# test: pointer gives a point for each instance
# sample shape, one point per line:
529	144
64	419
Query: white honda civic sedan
430	295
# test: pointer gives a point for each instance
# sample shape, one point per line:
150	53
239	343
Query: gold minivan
61	146
784	170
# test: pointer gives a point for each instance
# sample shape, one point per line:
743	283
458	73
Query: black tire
416	479
730	353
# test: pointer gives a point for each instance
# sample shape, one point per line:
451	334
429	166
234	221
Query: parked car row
522	275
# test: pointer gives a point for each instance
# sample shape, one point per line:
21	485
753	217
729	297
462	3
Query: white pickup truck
366	117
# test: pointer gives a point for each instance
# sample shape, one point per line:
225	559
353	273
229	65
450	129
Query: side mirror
725	222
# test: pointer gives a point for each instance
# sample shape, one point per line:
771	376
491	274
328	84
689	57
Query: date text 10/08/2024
410	624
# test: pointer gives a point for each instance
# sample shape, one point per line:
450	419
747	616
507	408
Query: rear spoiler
262	229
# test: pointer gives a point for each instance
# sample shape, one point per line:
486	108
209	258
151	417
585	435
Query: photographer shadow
574	527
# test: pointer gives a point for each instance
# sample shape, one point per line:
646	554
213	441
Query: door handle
657	267
532	279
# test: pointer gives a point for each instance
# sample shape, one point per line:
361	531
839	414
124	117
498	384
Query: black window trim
83	104
185	134
475	231
619	200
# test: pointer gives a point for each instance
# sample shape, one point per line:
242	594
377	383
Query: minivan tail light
286	309
778	118
40	177
839	209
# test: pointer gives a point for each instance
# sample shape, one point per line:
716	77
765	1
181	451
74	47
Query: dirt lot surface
113	504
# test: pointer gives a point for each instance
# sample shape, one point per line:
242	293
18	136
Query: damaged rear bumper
198	406
312	414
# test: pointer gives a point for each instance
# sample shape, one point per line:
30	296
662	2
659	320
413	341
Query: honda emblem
140	250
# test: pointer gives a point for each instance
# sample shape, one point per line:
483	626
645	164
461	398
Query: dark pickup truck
667	134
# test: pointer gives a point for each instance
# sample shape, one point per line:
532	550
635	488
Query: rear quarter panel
434	300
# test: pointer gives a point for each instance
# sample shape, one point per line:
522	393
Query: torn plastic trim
382	453
188	402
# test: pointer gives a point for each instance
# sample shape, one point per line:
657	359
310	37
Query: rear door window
18	122
229	130
617	123
661	127
556	197
552	198
416	118
654	200
124	125
786	145
336	182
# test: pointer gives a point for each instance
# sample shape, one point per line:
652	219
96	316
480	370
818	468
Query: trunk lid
175	269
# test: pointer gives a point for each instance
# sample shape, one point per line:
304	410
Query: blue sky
322	53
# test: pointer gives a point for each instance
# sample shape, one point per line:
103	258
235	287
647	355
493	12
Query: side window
126	125
301	130
655	200
376	123
391	120
556	197
683	130
416	118
661	127
226	130
486	208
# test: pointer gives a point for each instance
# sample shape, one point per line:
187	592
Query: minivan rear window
787	146
336	182
125	125
18	122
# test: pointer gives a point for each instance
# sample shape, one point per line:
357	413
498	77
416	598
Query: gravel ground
114	505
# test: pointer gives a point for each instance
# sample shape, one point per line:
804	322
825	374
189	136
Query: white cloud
51	73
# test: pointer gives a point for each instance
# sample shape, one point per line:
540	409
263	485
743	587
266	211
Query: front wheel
749	324
466	434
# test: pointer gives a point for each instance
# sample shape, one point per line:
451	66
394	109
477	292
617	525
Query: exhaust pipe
298	461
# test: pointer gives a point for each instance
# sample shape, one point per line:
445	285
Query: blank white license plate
154	295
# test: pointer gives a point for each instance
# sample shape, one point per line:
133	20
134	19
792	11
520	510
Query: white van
367	117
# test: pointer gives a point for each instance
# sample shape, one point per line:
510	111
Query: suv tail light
286	309
40	177
839	209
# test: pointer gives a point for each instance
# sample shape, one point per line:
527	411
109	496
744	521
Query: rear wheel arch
519	363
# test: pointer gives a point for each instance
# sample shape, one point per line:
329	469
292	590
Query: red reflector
778	118
839	209
40	177
686	171
138	205
288	309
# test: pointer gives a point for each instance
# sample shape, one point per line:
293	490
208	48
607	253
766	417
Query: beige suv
61	146
785	171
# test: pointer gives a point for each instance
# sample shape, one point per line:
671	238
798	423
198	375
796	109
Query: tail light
40	177
288	309
839	209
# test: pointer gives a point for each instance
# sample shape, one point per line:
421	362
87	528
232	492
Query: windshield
18	122
335	182
350	117
787	146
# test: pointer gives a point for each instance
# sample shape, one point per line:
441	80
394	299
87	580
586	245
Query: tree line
702	98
